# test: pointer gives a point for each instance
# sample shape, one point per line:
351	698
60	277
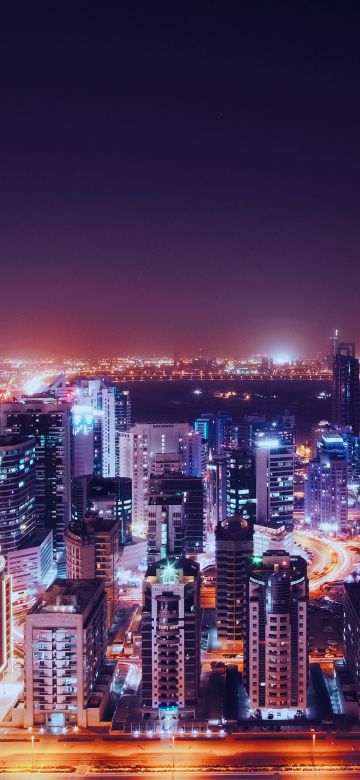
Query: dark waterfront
175	401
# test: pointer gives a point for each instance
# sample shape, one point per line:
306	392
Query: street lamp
32	752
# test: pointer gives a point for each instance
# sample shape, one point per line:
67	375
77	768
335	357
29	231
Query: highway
85	755
332	560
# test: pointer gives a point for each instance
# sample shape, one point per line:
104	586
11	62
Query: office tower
6	635
49	424
32	565
65	649
111	408
234	550
215	488
191	489
223	423
193	455
171	638
274	481
326	488
240	484
112	498
334	345
92	550
345	390
352	631
17	491
152	448
205	425
165	527
277	661
82	440
256	427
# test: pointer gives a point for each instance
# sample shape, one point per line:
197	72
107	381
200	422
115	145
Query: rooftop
68	596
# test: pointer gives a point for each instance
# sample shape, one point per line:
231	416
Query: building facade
275	462
6	627
233	550
346	388
17	491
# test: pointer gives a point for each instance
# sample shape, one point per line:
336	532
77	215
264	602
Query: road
259	752
332	560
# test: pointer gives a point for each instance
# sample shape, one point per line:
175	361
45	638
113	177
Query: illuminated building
154	448
112	416
240	484
17	491
274	480
171	638
205	425
345	390
234	549
6	636
326	488
215	483
82	440
191	491
112	498
49	424
32	564
277	661
223	423
92	550
352	632
165	527
65	647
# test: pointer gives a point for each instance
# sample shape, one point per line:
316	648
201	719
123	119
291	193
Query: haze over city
179	179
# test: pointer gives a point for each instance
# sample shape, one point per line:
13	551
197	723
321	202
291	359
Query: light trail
331	561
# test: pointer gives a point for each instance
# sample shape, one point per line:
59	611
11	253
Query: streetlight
32	752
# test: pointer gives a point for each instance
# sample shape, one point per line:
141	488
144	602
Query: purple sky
179	174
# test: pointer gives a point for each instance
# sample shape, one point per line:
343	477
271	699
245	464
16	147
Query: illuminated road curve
331	559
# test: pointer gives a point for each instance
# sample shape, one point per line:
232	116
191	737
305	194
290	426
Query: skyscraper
17	491
240	484
112	498
6	629
154	448
171	638
274	481
276	655
234	550
191	491
165	527
49	424
326	488
352	631
345	391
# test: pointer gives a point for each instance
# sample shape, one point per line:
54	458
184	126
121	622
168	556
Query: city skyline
179	179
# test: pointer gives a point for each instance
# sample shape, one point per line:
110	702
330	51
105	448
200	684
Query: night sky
179	175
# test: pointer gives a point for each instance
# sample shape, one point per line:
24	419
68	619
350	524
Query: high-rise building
32	565
240	484
352	631
274	481
223	423
326	488
191	490
154	448
234	550
49	424
65	649
205	425
112	498
171	638
6	635
165	527
92	550
215	488
346	389
17	491
82	440
276	655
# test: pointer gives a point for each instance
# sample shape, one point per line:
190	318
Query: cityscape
180	390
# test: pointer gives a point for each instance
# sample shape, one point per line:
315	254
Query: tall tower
346	388
17	491
274	481
334	342
171	638
6	636
277	662
234	548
